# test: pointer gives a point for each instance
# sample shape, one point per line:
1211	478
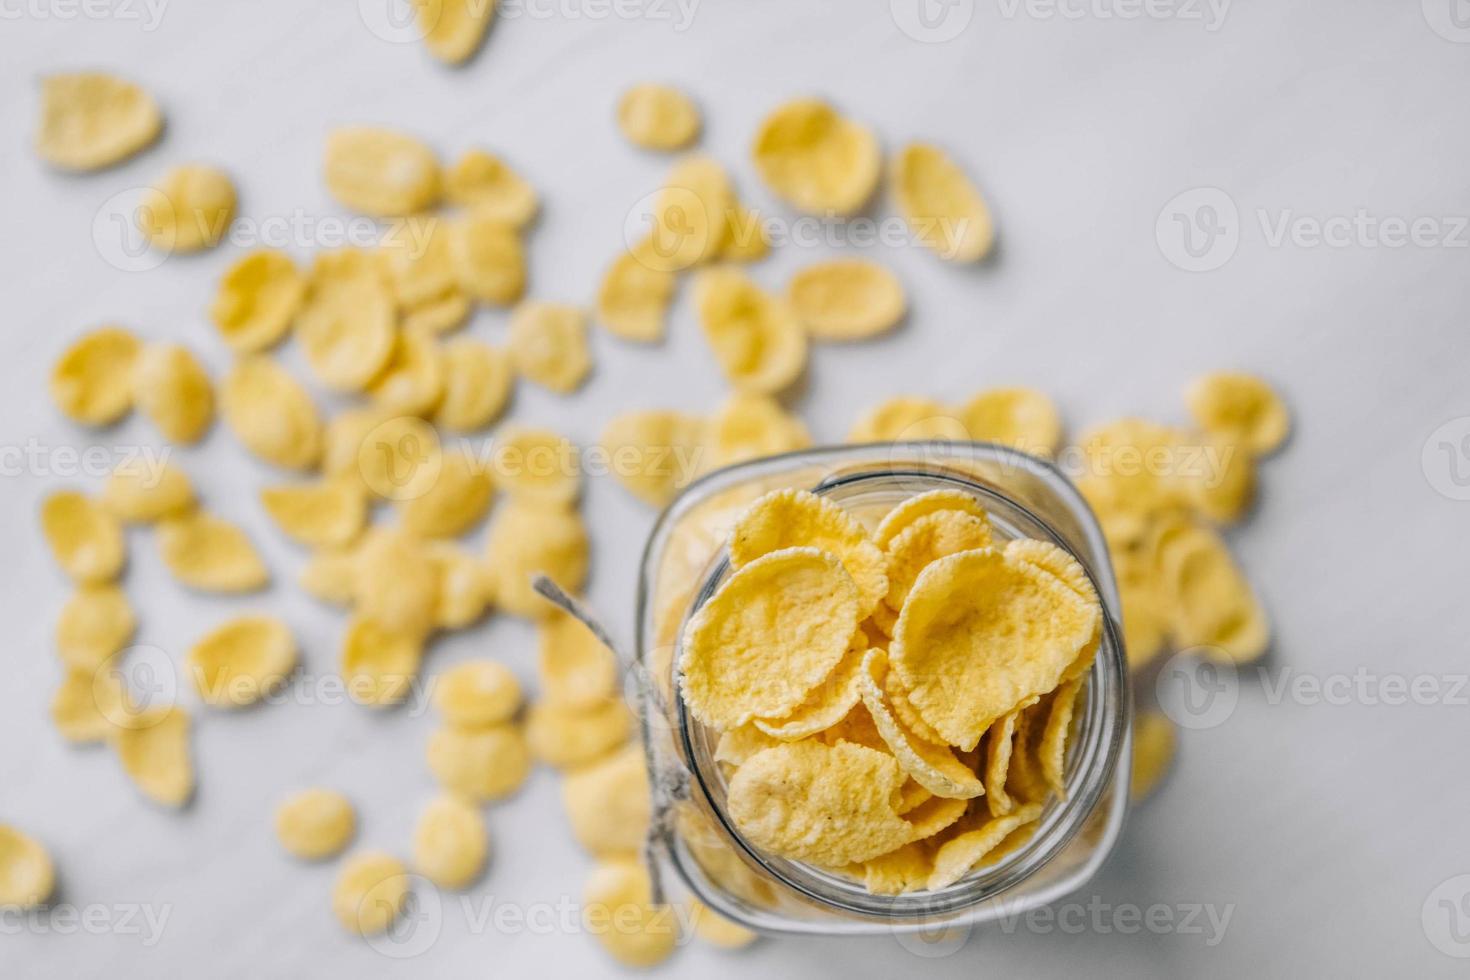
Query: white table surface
1324	827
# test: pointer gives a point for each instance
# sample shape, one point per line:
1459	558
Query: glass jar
685	562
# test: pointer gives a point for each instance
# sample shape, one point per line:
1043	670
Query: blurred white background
1299	833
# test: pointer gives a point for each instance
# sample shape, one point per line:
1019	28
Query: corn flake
717	930
140	490
634	296
658	117
210	554
271	414
92	381
548	345
486	763
1214	606
960	855
466	589
454	29
477	385
834	697
477	693
999	745
1241	409
817	159
457	501
942	206
315	824
575	669
617	905
566	737
933	767
690	216
379	664
381	172
908	419
257	301
86	540
1153	752
486	183
370	893
91	120
654	454
153	747
753	427
348	332
89	705
397	457
172	388
94	624
922	505
397	584
756	338
242	661
847	299
925	541
489	258
190	210
607	802
27	877
538	466
450	843
1021	417
527	539
412	382
1052	750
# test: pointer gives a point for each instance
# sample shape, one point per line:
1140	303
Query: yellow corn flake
450	843
418	265
1021	417
1052	559
654	454
477	385
746	239
379	664
941	205
900	518
412	382
370	893
817	159
1025	781
486	763
607	802
381	172
326	514
454	29
999	745
397	585
315	824
617	908
153	747
548	344
27	877
634	296
477	693
933	767
242	661
527	539
738	744
1224	490
487	183
210	554
172	388
348	332
997	630
1241	409
489	258
753	427
575	668
466	589
935	815
717	930
90	705
904	870
331	576
658	117
960	855
86	540
1153	752
1145	612
538	466
925	541
90	120
756	338
94	624
1134	467
1214	606
834	697
190	209
847	299
1052	749
143	490
271	413
829	805
457	501
92	382
798	518
908	419
257	301
566	737
690	216
898	701
397	457
774	631
443	314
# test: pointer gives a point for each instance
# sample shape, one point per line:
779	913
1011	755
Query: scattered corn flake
1052	749
941	204
717	930
153	747
348	332
381	172
90	120
1224	490
397	457
932	766
527	539
548	345
397	584
846	299
487	183
257	301
450	843
575	668
379	665
1241	409
817	159
908	419
752	427
489	258
328	513
95	623
1021	417
746	238
654	453
833	698
1153	752
757	340
210	554
996	630
331	576
85	539
960	855
418	263
454	29
567	737
315	824
456	502
242	661
271	413
90	705
925	541
607	802
441	315
485	763
477	385
27	877
617	908
370	893
658	117
768	637
190	210
173	390
477	693
92	382
1214	607
466	589
829	805
142	490
690	216
999	745
412	382
634	296
538	466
